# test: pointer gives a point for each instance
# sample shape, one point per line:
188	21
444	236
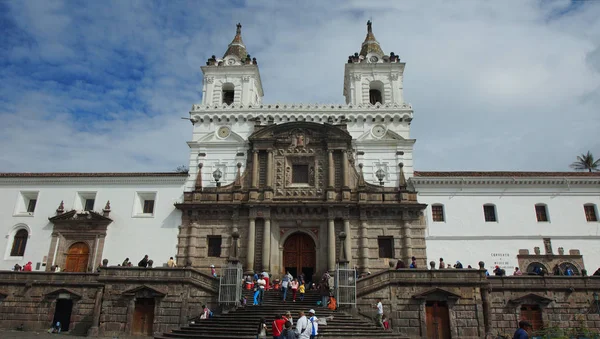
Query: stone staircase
243	322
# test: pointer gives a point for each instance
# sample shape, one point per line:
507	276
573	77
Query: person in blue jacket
521	333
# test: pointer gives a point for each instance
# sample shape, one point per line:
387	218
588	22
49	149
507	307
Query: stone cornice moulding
515	181
295	112
512	237
92	180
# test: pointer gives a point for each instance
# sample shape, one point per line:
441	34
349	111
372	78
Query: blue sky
101	85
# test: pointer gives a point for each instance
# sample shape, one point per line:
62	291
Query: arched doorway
299	255
77	258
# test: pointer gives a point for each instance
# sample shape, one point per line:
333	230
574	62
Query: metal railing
345	286
230	284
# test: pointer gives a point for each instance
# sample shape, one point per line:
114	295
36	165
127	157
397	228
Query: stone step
242	322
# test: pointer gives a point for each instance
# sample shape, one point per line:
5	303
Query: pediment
531	298
388	136
80	216
144	291
63	293
212	138
311	131
437	294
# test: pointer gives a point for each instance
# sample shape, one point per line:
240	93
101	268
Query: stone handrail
413	276
159	274
47	278
544	283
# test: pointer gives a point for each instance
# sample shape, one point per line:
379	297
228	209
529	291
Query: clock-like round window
223	132
378	131
373	59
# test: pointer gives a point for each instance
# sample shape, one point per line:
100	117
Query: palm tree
585	162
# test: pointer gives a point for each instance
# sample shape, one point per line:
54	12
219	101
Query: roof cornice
7	179
332	113
503	181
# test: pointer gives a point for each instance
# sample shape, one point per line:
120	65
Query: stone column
93	331
331	245
407	241
348	242
255	169
251	239
331	169
363	256
269	168
345	169
266	250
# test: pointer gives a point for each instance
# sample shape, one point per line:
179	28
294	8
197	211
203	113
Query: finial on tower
236	47
239	28
370	45
369	28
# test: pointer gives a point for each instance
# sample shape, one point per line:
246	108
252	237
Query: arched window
489	213
19	243
228	93
541	212
376	92
437	212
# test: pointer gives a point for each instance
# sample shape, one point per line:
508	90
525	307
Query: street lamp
217	174
380	174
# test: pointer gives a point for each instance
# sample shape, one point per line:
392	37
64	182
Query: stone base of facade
465	302
106	303
476	306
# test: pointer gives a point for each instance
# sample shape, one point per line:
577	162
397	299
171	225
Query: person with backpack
261	331
301	323
312	328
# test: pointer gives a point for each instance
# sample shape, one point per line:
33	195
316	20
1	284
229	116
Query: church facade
289	179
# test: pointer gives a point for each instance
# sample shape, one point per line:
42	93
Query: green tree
585	162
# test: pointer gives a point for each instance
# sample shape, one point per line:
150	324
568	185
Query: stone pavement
4	334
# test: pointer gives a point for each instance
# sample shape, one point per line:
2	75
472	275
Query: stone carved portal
77	258
299	255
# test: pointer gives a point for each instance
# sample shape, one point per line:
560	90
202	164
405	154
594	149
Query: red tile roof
95	175
504	174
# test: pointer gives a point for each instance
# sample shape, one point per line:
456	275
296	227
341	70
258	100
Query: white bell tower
373	77
234	79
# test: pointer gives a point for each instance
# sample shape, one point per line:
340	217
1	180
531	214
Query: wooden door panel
299	252
437	320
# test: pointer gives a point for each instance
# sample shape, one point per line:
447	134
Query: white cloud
511	86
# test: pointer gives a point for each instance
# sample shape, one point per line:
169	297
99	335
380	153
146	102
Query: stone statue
561	251
536	250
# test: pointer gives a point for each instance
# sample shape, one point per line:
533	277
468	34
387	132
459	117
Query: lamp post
380	174
217	174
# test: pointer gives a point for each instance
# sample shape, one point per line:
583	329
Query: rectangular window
89	205
85	201
144	203
26	203
386	247
437	211
149	206
489	212
541	213
214	245
31	205
590	213
300	174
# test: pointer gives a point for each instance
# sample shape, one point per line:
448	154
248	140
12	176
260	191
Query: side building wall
478	305
104	303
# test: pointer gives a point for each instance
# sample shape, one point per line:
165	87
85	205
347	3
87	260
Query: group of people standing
283	327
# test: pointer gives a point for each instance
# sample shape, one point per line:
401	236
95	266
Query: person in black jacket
143	262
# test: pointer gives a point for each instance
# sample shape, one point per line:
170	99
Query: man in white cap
312	329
